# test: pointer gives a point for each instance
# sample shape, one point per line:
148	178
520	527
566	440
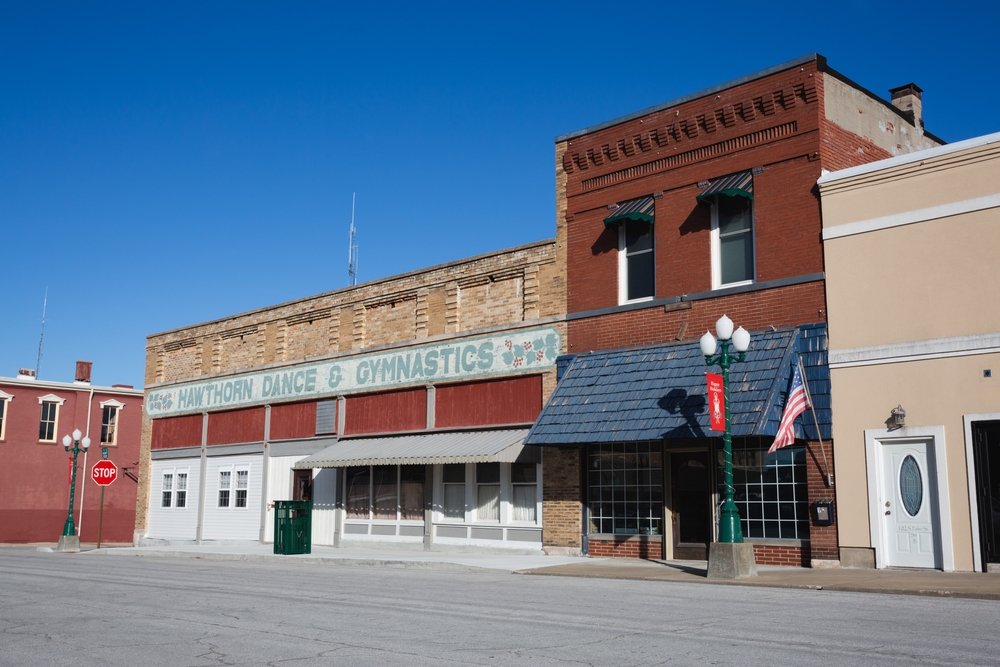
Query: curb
310	560
836	588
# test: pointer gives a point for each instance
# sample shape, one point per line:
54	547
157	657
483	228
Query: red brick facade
778	126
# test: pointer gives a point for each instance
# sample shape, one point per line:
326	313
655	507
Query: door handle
888	512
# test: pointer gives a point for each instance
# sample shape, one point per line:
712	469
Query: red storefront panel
385	413
171	432
513	401
293	420
234	426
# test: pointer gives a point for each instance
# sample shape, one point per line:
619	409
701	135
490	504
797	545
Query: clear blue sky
163	167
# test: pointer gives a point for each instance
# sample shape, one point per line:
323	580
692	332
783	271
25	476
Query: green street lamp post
730	528
69	540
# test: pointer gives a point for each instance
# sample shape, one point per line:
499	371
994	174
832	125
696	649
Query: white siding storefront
233	497
173	499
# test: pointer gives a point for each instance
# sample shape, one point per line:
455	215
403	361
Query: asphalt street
90	609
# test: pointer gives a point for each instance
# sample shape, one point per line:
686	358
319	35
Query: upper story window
732	241
731	199
5	398
109	422
48	423
636	255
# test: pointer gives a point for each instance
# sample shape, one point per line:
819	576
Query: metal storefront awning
735	185
636	209
493	446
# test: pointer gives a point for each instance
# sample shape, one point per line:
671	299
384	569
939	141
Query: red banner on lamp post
716	402
69	476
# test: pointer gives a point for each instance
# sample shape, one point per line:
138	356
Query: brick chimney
83	371
908	100
25	374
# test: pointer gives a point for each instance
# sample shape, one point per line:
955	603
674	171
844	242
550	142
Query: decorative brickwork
519	287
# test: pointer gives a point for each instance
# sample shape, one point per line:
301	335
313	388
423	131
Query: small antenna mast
352	251
41	339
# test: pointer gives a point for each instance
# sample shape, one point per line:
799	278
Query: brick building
34	478
398	406
671	217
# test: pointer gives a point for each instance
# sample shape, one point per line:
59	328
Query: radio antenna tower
41	339
352	251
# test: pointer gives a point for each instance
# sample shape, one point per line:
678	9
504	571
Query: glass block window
771	491
625	489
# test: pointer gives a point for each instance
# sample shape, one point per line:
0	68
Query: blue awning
735	185
635	209
658	392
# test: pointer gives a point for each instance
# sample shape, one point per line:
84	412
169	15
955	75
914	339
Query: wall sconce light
898	417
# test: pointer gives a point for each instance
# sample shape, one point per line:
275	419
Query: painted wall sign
442	362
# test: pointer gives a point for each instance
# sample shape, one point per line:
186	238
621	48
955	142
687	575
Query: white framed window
180	495
48	423
5	398
524	485
242	486
636	261
167	494
225	487
109	422
488	492
453	481
733	258
173	491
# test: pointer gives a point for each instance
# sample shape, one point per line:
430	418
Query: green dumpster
292	527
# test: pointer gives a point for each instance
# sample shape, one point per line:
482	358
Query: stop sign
104	472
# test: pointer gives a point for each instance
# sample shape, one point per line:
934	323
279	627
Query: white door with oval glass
908	506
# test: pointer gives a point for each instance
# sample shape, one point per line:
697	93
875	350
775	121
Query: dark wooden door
691	503
986	436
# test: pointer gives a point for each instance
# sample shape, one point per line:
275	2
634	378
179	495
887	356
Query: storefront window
454	491
488	491
384	486
411	493
625	489
771	491
524	480
358	492
379	492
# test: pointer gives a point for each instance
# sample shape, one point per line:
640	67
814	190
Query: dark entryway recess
302	486
691	503
986	439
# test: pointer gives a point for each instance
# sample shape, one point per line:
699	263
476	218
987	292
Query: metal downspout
83	483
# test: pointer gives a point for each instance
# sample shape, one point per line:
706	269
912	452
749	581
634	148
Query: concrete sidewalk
896	581
352	555
900	582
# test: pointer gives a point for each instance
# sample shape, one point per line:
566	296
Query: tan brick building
409	395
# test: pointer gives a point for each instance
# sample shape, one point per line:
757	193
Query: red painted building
34	479
671	217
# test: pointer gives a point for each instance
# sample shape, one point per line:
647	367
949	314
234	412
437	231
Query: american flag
796	404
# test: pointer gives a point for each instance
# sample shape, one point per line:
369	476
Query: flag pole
812	408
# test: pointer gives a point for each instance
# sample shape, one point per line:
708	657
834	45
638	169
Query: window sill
609	537
742	283
644	299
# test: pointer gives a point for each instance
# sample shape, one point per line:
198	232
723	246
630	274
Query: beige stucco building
913	290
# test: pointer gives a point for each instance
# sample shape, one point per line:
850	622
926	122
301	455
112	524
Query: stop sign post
103	473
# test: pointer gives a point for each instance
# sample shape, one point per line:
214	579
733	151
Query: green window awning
635	209
734	185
